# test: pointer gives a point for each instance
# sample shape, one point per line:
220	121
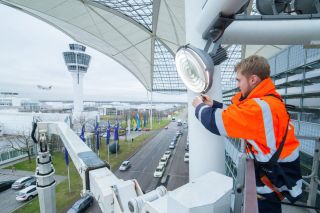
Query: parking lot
8	201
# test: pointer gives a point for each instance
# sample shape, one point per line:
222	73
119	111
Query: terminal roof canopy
142	35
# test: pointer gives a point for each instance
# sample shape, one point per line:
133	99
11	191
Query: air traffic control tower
77	62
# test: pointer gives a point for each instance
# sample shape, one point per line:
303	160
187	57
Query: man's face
244	84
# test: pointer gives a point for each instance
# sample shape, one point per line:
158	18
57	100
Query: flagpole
97	144
66	156
69	179
108	155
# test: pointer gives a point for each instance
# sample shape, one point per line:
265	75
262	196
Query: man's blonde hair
254	65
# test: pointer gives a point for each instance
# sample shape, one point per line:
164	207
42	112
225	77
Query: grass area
64	198
156	125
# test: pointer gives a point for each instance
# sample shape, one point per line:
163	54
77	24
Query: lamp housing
195	68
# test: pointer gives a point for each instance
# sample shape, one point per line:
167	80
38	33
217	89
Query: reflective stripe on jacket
261	119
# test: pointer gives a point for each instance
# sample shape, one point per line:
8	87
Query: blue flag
138	121
116	132
96	129
144	119
108	133
66	156
83	138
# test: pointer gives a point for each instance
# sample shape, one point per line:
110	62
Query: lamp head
195	68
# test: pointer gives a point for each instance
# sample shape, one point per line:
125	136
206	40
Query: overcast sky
31	55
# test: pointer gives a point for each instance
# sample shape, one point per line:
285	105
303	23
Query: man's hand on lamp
196	101
207	100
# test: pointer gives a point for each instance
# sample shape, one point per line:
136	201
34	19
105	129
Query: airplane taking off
44	87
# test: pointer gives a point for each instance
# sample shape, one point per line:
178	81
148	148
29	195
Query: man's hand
207	100
196	101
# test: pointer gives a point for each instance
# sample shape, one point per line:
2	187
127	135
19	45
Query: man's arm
233	121
205	113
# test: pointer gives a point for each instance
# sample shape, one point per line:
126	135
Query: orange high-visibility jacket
260	118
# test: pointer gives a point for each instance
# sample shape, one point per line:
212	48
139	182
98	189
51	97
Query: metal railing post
313	179
239	185
250	202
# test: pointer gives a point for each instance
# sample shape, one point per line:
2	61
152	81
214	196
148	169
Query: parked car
163	161
159	171
179	132
19	184
186	157
167	154
4	185
125	165
187	147
27	193
31	182
171	146
82	204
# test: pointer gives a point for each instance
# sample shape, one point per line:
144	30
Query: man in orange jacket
258	115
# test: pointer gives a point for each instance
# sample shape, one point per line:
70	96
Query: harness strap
264	179
274	159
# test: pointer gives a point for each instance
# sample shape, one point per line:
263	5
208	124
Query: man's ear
255	80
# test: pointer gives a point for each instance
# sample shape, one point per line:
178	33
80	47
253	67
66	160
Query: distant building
5	102
9	99
30	106
108	110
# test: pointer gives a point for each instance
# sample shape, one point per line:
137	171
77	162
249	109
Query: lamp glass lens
191	70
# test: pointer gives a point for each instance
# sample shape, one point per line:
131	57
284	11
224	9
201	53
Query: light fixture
195	68
307	6
272	7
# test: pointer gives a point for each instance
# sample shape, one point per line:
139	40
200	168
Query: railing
250	203
314	176
307	130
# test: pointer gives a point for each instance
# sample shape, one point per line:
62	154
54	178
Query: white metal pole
117	142
129	125
69	179
151	110
206	149
108	154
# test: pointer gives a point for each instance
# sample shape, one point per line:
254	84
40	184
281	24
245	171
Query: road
145	161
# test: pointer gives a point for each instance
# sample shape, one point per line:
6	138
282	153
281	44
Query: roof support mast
204	146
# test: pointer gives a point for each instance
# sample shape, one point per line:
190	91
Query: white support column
206	149
151	110
46	184
77	93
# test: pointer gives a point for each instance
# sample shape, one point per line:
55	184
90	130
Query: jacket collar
264	88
